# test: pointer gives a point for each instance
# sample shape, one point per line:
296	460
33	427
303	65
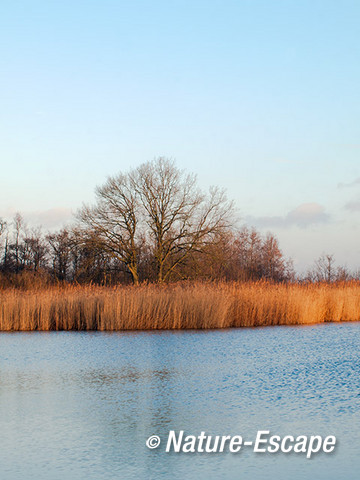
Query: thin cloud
307	214
302	216
51	218
354	183
353	206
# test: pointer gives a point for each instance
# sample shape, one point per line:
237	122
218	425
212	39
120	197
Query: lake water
81	405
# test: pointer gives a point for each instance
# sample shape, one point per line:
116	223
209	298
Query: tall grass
178	306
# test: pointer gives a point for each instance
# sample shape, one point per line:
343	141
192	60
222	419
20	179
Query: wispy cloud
48	219
51	218
304	215
353	206
354	183
307	214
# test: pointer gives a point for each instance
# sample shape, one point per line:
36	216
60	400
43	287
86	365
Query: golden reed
178	306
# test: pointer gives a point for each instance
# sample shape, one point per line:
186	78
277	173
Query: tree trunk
134	274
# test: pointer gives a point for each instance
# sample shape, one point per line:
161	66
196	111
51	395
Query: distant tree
248	253
273	262
33	250
356	274
18	226
323	270
3	229
342	274
91	262
253	257
60	251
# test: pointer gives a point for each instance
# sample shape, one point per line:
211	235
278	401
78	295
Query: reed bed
178	306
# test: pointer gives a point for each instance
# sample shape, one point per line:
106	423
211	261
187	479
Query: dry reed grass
178	306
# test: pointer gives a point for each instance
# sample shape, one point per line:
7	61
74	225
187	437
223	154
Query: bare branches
181	219
159	204
324	269
3	226
111	224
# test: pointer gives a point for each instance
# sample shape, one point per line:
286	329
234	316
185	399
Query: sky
259	97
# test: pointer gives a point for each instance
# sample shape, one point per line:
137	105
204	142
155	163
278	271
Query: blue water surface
81	405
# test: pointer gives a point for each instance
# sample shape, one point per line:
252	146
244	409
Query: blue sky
259	97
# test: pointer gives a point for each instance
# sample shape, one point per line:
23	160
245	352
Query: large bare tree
160	204
180	218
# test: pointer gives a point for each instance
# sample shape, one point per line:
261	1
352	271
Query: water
81	405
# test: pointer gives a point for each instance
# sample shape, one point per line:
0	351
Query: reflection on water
81	405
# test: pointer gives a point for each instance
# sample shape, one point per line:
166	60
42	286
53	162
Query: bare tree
3	250
18	226
3	228
324	269
60	245
157	209
33	250
179	217
112	223
343	274
273	262
253	256
248	247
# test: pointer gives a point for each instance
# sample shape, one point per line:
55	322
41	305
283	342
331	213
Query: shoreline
177	330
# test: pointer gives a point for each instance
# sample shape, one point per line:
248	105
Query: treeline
29	256
151	224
